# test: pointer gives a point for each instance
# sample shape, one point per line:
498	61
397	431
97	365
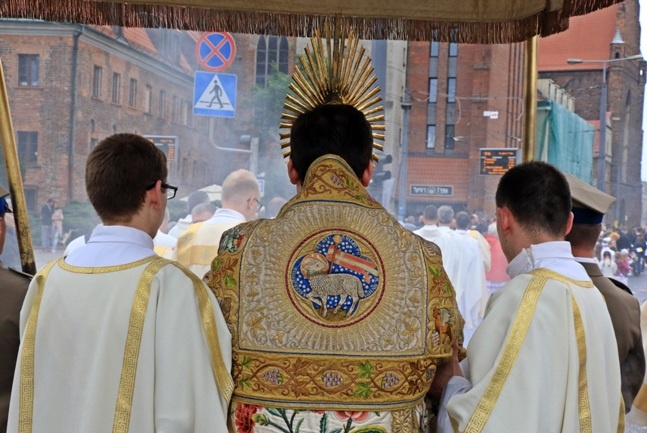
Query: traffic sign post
214	94
215	51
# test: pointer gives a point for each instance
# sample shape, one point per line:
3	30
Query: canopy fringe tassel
543	23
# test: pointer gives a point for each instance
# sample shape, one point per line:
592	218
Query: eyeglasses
170	189
259	205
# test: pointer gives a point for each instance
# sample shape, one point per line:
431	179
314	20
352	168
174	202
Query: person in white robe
545	357
194	199
113	337
464	266
164	242
198	246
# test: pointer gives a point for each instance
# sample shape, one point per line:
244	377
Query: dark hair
196	198
537	195
331	129
462	220
117	172
584	235
431	212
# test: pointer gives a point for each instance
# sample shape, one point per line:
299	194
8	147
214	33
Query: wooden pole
530	100
15	181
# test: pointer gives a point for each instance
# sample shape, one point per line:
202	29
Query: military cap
589	203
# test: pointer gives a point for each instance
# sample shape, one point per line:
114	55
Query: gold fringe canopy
521	21
335	71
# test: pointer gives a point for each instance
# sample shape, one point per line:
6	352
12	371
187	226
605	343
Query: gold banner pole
15	181
530	100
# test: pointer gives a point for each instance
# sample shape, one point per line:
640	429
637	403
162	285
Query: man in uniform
541	360
198	246
115	337
13	287
589	207
338	314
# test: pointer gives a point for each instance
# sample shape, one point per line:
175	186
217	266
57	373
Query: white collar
225	215
554	255
116	233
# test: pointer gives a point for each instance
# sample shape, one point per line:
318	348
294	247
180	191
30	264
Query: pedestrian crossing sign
214	94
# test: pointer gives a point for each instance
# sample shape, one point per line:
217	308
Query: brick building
611	33
464	97
70	86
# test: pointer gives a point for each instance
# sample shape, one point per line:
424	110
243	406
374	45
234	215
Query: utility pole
404	155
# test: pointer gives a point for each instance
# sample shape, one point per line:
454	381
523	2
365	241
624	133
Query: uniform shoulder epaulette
622	286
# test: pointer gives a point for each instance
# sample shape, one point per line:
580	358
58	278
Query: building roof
588	37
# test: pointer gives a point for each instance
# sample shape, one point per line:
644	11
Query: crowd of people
327	315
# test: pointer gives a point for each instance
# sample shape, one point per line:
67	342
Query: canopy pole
15	182
530	100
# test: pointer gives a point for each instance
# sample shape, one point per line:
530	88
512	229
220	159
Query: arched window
261	61
271	52
283	56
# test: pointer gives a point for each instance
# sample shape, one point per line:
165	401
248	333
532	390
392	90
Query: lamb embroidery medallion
335	283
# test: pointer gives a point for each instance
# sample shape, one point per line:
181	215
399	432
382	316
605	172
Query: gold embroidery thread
27	360
124	403
511	350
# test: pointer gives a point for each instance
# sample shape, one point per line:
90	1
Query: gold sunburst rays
334	70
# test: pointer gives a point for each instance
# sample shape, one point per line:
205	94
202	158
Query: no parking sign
215	51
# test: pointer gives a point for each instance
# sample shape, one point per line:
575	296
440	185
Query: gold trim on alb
336	70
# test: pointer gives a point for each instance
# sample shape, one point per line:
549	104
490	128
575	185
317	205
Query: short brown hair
117	173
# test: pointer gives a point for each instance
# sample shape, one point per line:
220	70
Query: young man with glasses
198	246
116	332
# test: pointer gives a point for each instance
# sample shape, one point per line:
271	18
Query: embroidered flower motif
244	418
355	416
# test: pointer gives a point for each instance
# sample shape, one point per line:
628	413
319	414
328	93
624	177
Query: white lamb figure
324	285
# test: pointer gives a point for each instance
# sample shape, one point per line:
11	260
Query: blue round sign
215	51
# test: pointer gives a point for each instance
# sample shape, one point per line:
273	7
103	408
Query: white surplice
81	336
463	264
541	391
198	245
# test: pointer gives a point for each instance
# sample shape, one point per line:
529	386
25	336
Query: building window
433	90
116	88
28	148
92	125
148	99
271	56
449	137
453	45
185	112
283	55
132	98
431	136
174	110
433	51
453	50
96	82
93	143
451	90
28	69
183	170
31	197
162	112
